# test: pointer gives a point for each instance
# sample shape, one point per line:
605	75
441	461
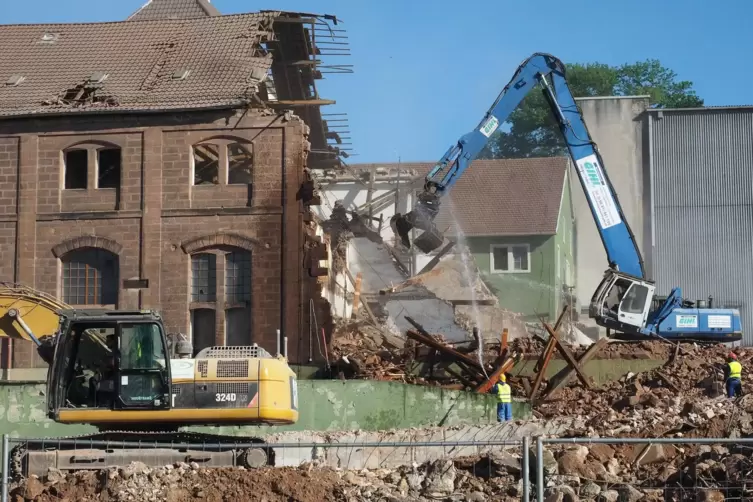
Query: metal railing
341	455
703	473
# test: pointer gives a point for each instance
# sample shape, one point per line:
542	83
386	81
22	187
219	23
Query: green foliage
533	131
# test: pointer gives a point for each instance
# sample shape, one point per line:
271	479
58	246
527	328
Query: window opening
510	258
202	329
520	258
76	169
240	164
109	167
206	164
90	277
204	274
238	326
500	258
238	277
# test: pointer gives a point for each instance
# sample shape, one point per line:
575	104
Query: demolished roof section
174	9
157	62
500	197
140	65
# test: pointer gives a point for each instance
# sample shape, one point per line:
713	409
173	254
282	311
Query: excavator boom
624	300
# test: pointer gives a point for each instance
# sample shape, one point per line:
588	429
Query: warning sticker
720	321
598	191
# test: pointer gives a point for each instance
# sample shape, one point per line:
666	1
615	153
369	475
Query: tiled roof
503	197
140	58
174	9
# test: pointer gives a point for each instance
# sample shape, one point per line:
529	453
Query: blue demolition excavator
625	301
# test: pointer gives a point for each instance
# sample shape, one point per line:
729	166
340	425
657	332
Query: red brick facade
158	218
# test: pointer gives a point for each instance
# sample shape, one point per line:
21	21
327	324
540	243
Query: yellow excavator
120	372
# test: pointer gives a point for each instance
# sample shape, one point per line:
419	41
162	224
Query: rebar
526	476
539	469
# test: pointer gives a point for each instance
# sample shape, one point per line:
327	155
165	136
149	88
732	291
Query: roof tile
139	58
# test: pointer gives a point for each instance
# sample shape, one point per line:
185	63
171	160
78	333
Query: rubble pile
646	473
597	472
684	388
476	479
181	483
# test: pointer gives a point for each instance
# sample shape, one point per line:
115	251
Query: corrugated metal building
701	165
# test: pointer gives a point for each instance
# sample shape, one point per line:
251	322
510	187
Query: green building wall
552	264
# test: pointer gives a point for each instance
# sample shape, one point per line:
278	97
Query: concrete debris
471	479
678	397
572	472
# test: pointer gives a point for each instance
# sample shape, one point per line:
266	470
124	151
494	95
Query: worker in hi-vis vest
504	399
733	372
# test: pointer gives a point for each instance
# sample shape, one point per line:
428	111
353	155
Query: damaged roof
45	68
174	9
501	197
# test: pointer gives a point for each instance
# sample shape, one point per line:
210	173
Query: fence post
526	475
539	469
6	464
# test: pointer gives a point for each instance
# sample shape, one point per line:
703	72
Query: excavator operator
102	384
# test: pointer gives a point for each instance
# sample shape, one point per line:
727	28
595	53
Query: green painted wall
601	370
537	292
325	405
528	293
564	248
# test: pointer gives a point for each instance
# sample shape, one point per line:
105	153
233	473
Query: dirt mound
137	482
476	478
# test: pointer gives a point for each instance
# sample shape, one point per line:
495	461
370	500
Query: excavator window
143	376
635	299
115	365
90	381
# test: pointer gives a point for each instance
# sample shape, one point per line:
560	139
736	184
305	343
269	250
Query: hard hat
502	378
732	355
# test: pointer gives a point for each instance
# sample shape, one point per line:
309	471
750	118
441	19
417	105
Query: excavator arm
622	251
31	315
624	300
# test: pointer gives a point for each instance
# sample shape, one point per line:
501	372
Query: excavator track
207	450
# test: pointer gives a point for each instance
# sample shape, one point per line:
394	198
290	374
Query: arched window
223	161
90	277
220	296
92	166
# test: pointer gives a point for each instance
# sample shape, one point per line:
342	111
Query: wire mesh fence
488	464
667	469
656	469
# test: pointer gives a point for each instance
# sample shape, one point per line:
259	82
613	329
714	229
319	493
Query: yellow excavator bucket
25	309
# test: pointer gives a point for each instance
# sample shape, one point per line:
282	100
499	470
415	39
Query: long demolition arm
622	251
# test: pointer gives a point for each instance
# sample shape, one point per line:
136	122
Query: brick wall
156	218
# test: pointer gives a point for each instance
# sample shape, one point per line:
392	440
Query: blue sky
425	71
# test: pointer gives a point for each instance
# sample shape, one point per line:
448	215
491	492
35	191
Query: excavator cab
106	361
622	302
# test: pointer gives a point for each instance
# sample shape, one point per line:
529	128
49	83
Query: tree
533	132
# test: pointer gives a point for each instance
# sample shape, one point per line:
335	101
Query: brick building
165	169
